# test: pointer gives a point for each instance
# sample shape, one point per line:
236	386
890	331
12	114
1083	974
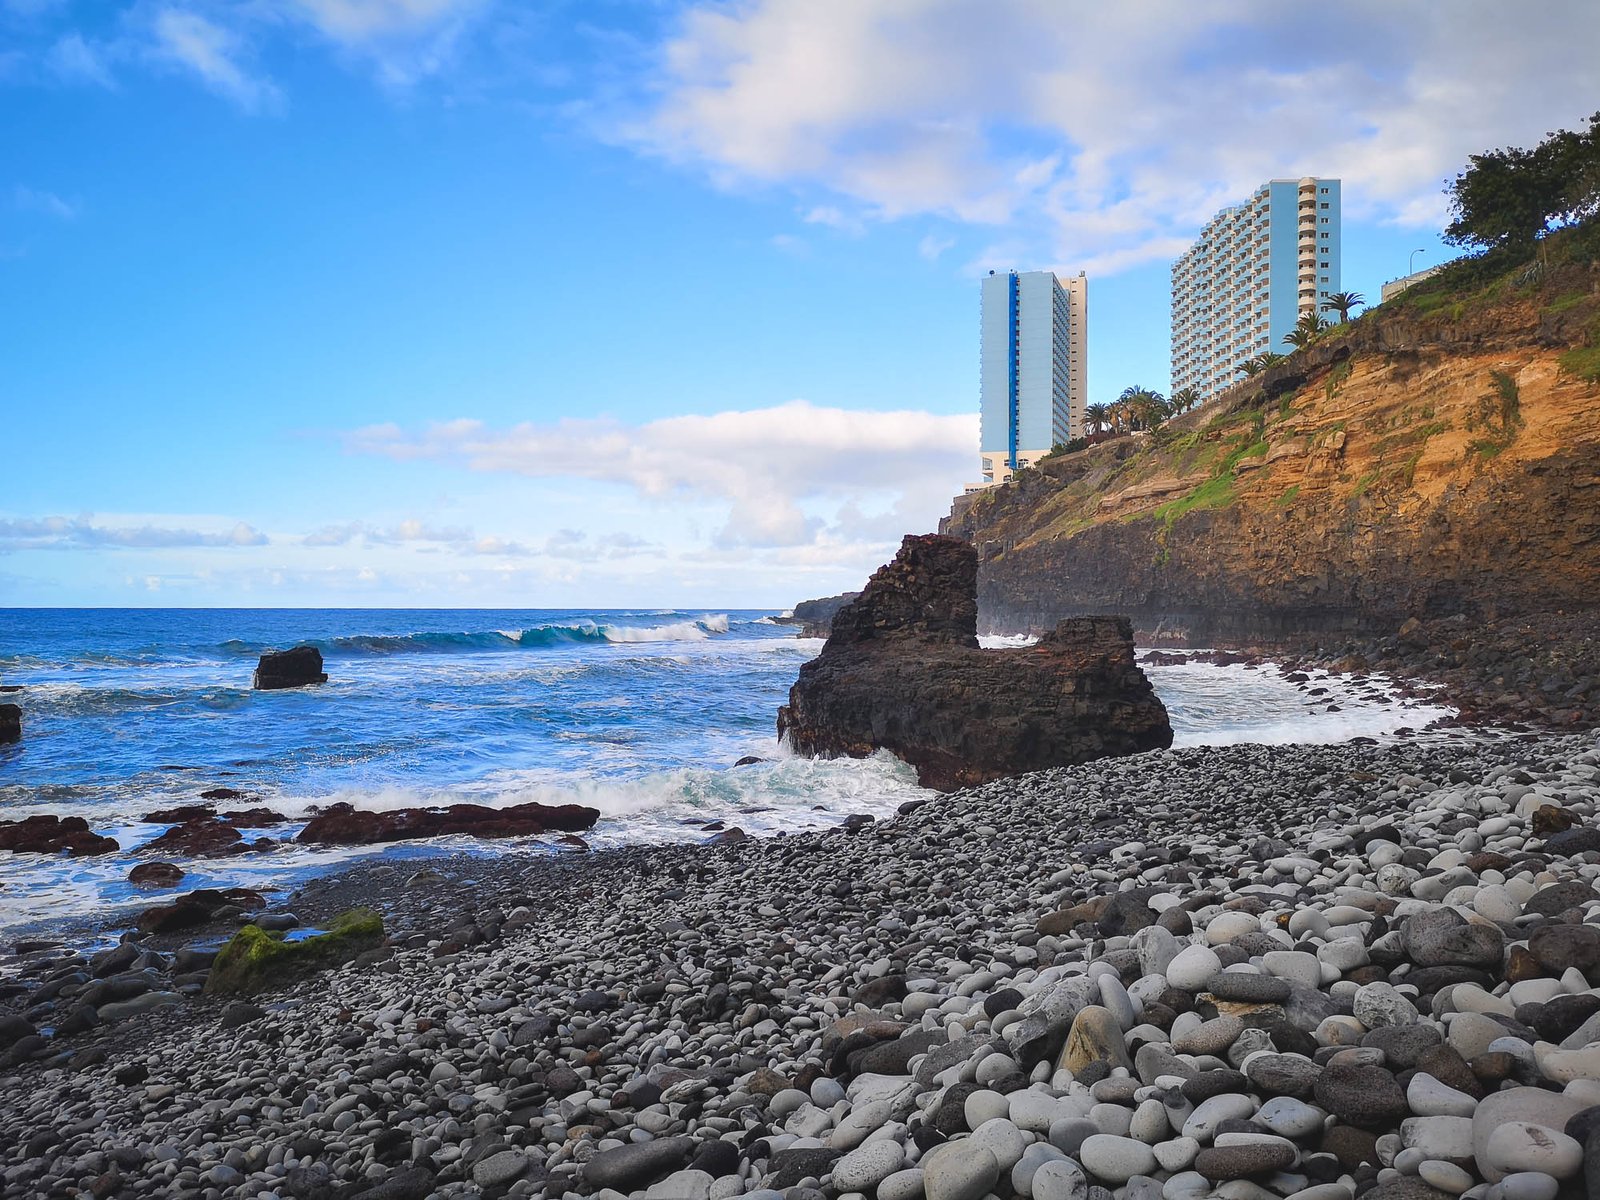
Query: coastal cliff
1437	456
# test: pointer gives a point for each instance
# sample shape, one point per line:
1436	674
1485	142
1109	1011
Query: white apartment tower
1033	375
1254	270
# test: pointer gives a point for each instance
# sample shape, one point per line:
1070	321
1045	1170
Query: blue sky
456	302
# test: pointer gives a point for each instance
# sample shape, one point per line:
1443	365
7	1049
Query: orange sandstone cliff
1438	456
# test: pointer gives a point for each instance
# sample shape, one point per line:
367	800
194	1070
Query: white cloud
76	61
82	533
406	40
933	245
1109	132
37	201
212	52
791	475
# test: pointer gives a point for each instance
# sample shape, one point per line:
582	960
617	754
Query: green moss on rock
258	961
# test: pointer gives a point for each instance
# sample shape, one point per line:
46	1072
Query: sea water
639	714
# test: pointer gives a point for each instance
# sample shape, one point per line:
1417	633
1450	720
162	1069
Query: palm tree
1183	399
1305	330
1145	408
1342	303
1260	363
1098	415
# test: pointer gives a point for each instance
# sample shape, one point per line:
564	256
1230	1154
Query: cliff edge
1438	456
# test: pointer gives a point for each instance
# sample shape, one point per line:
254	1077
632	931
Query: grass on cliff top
1486	278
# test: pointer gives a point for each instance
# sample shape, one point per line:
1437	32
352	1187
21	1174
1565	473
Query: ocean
641	714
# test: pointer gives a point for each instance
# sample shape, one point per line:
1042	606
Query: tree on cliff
1145	408
1305	330
1512	197
1098	416
1260	362
1182	400
1342	303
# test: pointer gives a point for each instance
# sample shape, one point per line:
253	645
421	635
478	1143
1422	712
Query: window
1323	220
1324	204
1322	191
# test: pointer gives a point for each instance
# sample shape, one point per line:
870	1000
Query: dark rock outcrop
815	617
53	835
10	724
343	825
902	671
299	667
198	908
202	837
155	875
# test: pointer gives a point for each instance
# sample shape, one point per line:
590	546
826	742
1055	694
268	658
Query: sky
466	303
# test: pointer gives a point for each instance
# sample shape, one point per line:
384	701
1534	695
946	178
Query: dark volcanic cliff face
902	671
1419	464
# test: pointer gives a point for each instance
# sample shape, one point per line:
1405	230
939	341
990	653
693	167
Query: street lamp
1412	261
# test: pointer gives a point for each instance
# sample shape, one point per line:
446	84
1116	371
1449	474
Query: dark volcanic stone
299	667
1444	938
1558	897
1351	1146
1236	1162
1369	1097
196	908
10	724
1559	1017
1402	1045
1573	841
205	837
1558	947
902	671
53	835
628	1168
342	825
1213	1083
155	875
1248	989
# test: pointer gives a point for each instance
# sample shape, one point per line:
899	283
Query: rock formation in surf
902	671
299	667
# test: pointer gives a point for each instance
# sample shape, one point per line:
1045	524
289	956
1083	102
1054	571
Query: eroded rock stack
902	671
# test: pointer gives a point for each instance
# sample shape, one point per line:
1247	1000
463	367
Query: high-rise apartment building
1033	376
1245	282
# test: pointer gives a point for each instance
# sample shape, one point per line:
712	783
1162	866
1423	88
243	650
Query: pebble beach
1248	971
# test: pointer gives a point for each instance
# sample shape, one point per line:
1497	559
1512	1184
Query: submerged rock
10	724
902	671
299	667
256	960
343	825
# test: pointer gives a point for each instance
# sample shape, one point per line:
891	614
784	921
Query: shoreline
720	994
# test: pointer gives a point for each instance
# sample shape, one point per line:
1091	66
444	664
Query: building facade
1245	282
1033	372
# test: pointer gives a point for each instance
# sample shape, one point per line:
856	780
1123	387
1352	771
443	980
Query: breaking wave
539	636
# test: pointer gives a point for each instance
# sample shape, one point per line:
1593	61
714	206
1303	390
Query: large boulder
342	825
815	617
902	671
10	724
257	961
299	667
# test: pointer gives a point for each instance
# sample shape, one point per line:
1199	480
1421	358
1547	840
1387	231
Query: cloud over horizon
790	475
1106	133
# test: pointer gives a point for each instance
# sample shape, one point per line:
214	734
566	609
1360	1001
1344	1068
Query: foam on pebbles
1249	972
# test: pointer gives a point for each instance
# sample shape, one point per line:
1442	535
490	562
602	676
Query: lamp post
1412	261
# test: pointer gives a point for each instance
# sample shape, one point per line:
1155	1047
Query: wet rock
155	875
255	961
197	908
54	835
342	825
299	667
902	671
10	724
